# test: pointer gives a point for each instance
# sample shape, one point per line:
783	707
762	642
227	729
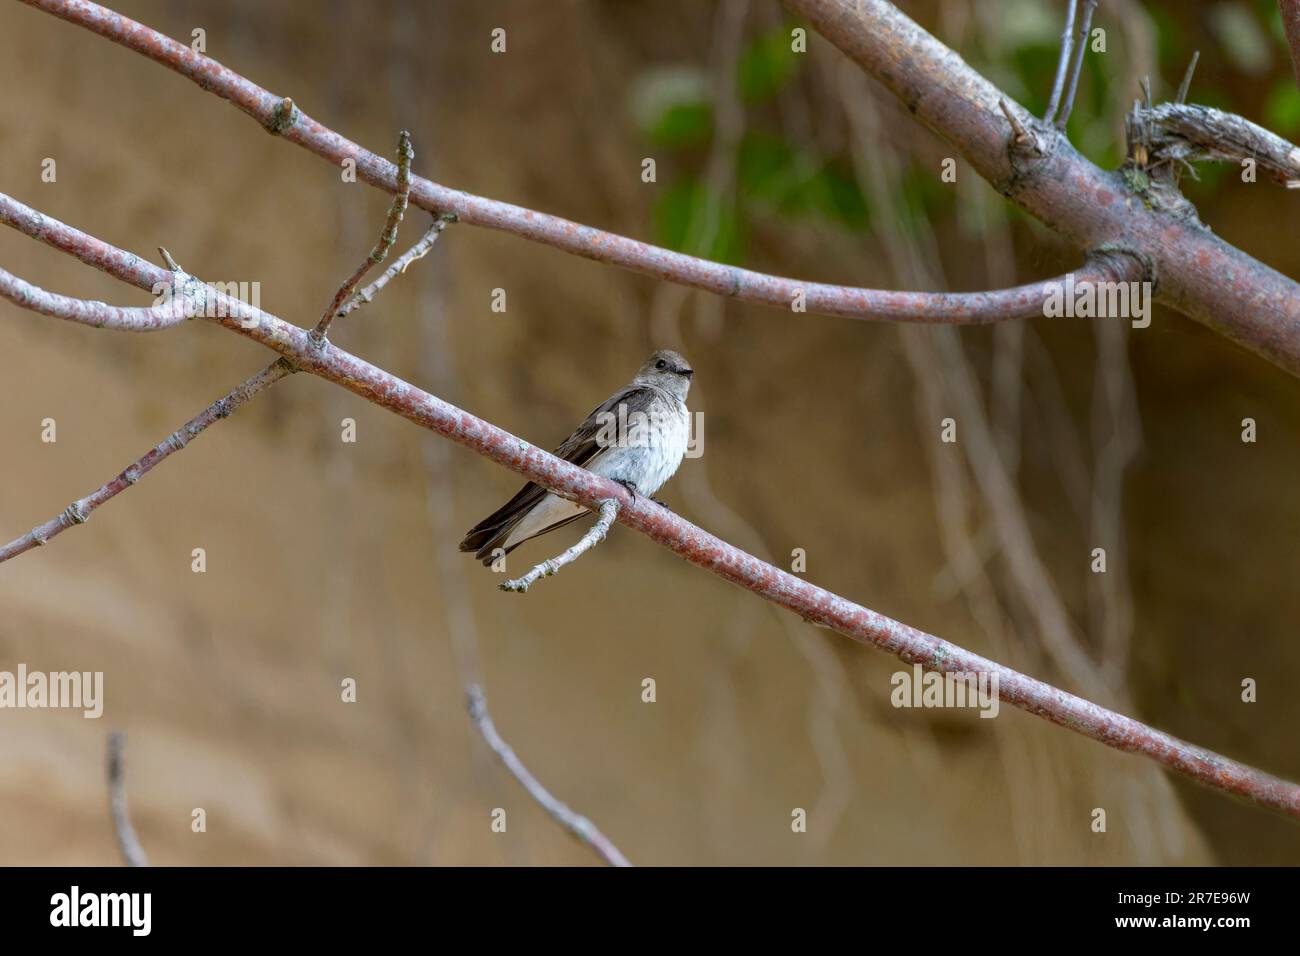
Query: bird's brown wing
581	448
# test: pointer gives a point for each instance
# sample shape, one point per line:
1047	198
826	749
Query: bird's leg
631	487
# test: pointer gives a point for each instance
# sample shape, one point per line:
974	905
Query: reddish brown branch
79	511
284	118
1198	273
695	545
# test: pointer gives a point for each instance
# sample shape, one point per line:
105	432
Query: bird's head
667	370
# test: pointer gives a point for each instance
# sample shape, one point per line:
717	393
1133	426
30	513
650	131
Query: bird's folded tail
494	531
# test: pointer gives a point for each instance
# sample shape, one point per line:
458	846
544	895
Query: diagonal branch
680	536
79	511
1062	63
282	117
1198	274
379	252
1290	10
1080	54
595	535
399	267
574	822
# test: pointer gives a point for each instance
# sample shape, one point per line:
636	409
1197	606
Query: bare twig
1062	62
1080	52
1020	135
1183	133
79	511
405	154
399	267
595	535
1185	87
1259	308
695	545
127	841
575	823
281	116
98	315
1291	25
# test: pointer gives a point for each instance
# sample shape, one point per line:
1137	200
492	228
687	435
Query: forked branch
692	543
593	537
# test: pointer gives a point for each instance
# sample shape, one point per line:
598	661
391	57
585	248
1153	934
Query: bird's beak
689	373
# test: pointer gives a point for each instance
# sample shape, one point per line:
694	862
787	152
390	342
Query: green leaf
1282	109
672	107
689	218
766	171
773	175
682	124
767	65
837	196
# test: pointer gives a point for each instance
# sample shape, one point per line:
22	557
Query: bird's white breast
650	461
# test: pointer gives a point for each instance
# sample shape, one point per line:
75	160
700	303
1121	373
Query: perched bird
637	437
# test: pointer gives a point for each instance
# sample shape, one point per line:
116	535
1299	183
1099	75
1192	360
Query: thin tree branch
695	545
127	841
98	315
1291	25
1196	272
1185	87
79	511
575	823
1199	274
282	117
1062	62
593	537
405	154
399	267
1080	53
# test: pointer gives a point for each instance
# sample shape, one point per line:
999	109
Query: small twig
1182	133
575	823
127	841
405	153
399	267
1185	87
99	315
1138	133
1290	10
1021	136
1062	62
608	511
80	510
1080	53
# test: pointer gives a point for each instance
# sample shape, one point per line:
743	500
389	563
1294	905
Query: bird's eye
661	365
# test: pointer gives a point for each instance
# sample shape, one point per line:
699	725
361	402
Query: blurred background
328	560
